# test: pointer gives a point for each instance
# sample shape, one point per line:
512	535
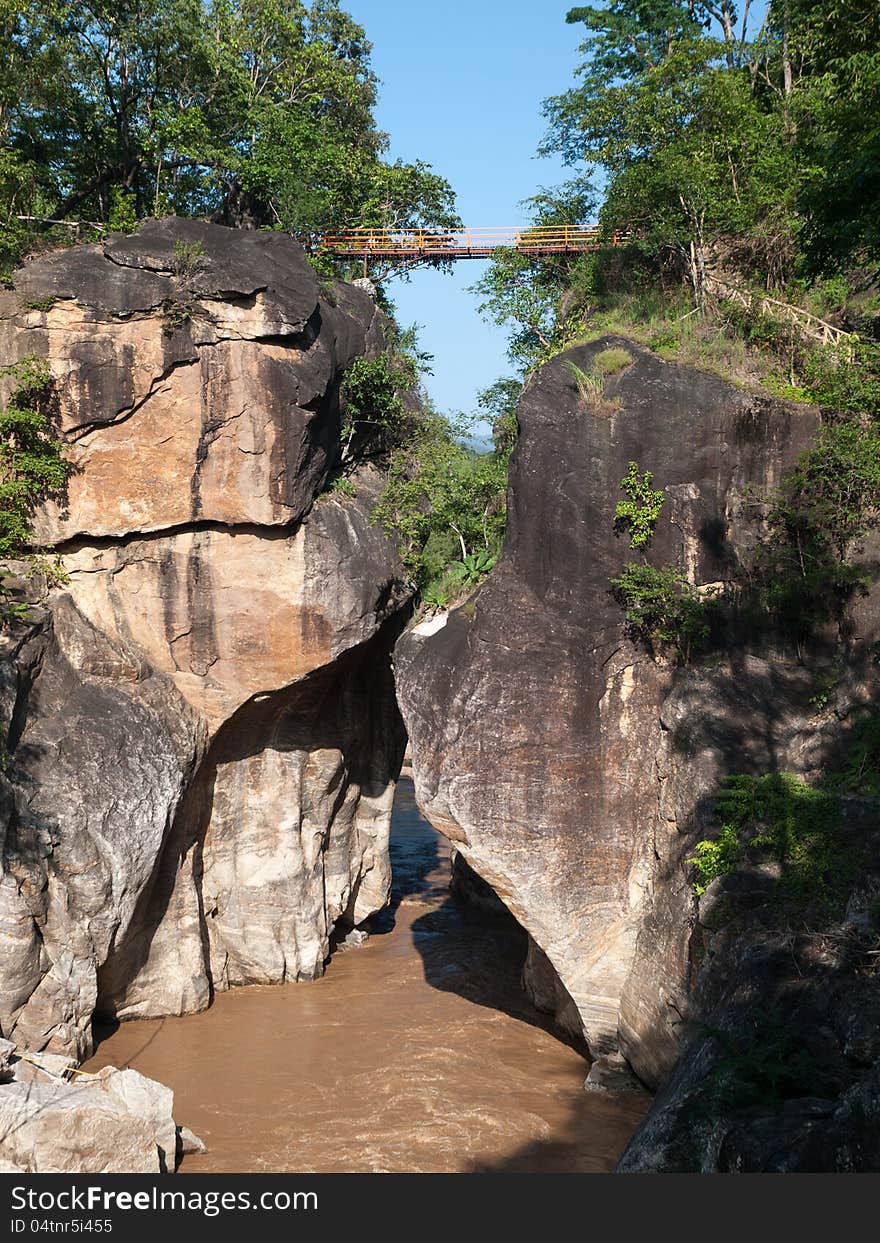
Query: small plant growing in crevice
638	514
176	312
434	598
187	259
340	486
39	304
474	567
590	387
328	291
612	360
824	687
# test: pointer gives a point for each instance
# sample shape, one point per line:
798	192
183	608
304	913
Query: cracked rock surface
201	723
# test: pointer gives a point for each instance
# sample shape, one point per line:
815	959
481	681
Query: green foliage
834	100
253	112
522	292
711	129
859	771
122	213
374	413
590	387
765	1066
498	403
667	106
797	825
638	514
474	567
825	684
845	377
186	259
817	521
716	857
31	464
435	598
343	487
176	312
39	304
444	505
662	609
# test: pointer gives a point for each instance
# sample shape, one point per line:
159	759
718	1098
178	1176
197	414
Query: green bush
845	377
31	464
123	211
798	825
817	522
442	502
374	416
662	609
638	514
187	259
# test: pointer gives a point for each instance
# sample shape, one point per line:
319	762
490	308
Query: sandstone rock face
535	725
201	723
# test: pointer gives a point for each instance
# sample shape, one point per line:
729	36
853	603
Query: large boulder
535	725
56	1120
201	726
575	770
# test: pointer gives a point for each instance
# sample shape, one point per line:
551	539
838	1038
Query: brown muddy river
417	1051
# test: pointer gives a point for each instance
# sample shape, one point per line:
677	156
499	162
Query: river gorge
416	1051
208	696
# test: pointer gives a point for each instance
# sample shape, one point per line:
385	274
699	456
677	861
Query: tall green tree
669	105
251	112
708	125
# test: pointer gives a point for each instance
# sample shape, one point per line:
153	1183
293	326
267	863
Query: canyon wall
202	737
573	769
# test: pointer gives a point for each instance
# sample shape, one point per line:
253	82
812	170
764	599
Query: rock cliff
575	771
202	733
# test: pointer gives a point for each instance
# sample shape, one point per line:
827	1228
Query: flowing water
417	1051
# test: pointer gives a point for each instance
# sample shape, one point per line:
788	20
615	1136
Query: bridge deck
461	243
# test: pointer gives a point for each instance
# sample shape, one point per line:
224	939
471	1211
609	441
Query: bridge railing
461	241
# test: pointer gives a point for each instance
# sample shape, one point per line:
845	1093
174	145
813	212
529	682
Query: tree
521	291
708	131
253	112
835	106
692	150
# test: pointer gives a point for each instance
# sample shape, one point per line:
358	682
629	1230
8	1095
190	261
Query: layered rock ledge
203	738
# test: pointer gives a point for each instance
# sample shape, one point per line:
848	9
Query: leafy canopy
253	112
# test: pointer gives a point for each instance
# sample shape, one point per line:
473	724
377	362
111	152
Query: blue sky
462	85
